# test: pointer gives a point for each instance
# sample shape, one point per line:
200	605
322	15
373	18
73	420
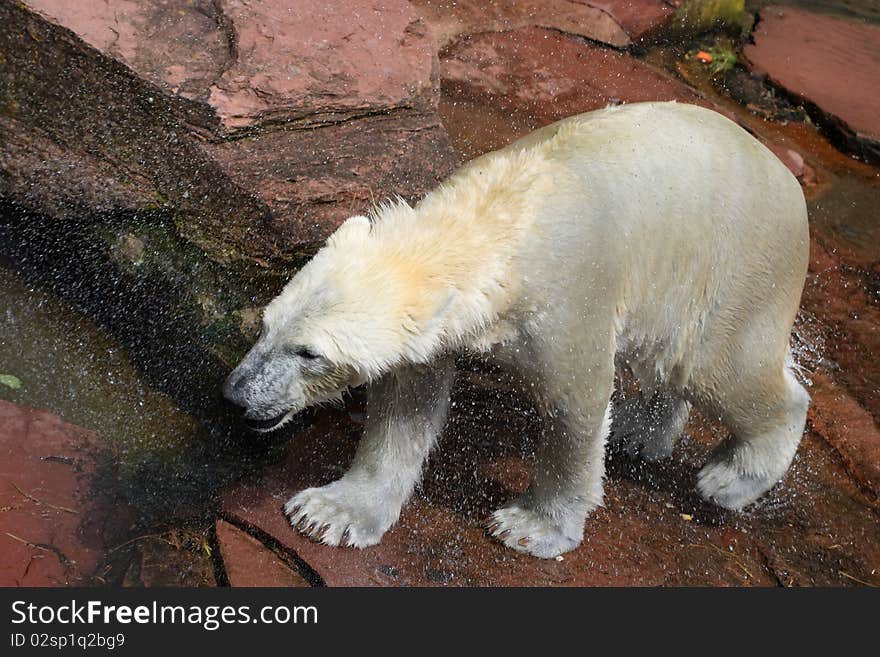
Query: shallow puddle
846	217
69	366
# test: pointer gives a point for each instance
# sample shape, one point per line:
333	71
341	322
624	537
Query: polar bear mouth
301	420
268	424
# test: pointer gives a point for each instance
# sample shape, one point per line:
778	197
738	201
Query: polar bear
660	237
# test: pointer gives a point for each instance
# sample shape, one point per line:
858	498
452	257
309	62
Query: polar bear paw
527	530
721	482
337	514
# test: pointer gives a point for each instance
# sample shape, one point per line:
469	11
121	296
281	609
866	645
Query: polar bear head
357	309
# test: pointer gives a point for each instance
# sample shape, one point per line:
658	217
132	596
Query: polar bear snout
239	390
264	388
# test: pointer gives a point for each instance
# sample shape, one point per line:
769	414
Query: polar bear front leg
548	519
406	411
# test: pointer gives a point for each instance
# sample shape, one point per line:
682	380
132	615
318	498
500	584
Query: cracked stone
250	563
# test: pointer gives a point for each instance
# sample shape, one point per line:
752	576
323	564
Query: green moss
700	15
212	296
159	202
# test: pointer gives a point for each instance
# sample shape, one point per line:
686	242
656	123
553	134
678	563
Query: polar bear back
648	167
667	217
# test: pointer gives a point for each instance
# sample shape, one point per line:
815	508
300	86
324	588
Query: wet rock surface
839	295
527	78
830	63
169	559
53	529
850	430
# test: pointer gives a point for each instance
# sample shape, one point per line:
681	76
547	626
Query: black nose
233	389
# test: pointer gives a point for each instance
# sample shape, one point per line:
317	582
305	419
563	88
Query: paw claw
341	513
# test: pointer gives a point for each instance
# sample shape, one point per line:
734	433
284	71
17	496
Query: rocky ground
193	150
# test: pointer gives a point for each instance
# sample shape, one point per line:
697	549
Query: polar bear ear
357	227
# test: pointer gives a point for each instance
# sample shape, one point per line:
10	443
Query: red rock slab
832	63
615	22
310	57
653	529
250	563
523	79
48	536
312	180
179	46
168	100
265	60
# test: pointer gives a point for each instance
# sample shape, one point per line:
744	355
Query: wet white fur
660	236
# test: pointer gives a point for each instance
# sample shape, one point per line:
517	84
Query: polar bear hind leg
766	415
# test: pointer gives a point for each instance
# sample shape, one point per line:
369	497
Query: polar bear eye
306	354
